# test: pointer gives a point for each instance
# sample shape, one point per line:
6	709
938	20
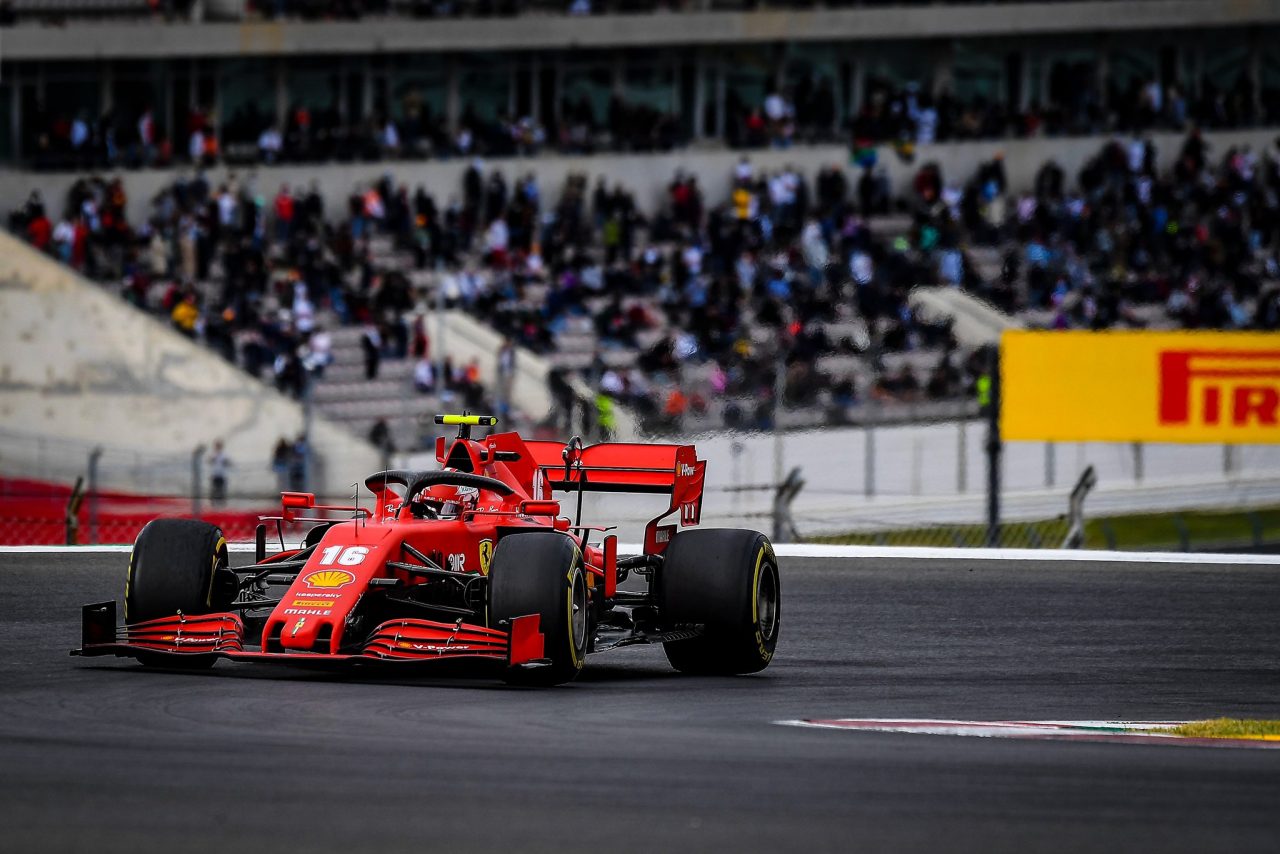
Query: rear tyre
178	565
726	580
540	572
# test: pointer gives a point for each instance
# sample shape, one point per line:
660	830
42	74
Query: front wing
395	642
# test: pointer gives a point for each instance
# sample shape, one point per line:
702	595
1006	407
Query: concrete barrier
939	21
81	367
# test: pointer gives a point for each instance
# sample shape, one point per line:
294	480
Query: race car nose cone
309	633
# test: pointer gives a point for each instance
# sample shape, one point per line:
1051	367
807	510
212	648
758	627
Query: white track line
804	550
1049	555
1123	732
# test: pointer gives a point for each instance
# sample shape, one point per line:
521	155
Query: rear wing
673	470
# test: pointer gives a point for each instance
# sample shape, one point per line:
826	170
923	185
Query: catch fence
120	490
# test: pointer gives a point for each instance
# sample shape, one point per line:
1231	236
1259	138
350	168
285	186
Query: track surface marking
1115	732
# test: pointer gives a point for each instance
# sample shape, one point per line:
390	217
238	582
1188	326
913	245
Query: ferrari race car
473	562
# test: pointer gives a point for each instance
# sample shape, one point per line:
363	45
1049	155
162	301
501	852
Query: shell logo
328	579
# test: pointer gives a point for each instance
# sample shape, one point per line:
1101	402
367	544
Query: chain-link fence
1244	529
123	489
1041	534
117	491
128	471
36	527
40	514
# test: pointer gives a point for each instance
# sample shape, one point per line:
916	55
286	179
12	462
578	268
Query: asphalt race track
102	755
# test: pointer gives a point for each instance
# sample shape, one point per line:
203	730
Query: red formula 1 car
472	562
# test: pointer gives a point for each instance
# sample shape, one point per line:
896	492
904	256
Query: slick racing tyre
540	572
726	580
178	565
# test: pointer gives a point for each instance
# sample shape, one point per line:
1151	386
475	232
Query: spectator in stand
506	376
319	345
280	463
780	114
186	314
39	229
380	438
424	376
390	138
371	346
196	145
63	239
421	342
146	138
299	463
284	211
270	145
219	470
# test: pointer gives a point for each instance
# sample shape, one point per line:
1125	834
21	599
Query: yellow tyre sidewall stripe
762	648
574	651
217	550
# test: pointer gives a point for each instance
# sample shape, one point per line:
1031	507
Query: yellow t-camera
467	420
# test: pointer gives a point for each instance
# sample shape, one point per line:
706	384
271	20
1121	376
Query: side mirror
540	508
292	501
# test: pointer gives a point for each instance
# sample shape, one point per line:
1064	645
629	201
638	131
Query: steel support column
995	448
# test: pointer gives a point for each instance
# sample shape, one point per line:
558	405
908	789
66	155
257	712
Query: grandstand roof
147	39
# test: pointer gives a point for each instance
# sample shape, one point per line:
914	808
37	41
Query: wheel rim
578	619
767	600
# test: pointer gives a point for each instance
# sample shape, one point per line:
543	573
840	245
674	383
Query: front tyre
541	572
178	565
728	581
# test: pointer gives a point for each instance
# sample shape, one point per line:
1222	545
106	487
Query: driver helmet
454	500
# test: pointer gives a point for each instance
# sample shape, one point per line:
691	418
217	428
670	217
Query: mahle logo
1240	388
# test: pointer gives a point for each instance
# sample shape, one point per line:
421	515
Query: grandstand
385	86
614	288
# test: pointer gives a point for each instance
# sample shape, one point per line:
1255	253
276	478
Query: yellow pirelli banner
1140	387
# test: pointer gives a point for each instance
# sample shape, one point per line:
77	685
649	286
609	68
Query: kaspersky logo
1239	388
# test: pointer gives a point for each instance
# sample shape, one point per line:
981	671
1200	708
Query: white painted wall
79	367
918	479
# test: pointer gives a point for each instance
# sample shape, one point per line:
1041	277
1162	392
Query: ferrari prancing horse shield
486	555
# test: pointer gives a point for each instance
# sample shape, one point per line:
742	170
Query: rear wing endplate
673	470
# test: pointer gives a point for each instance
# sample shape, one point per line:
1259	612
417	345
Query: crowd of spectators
130	139
712	297
805	111
253	278
1202	237
910	116
689	289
